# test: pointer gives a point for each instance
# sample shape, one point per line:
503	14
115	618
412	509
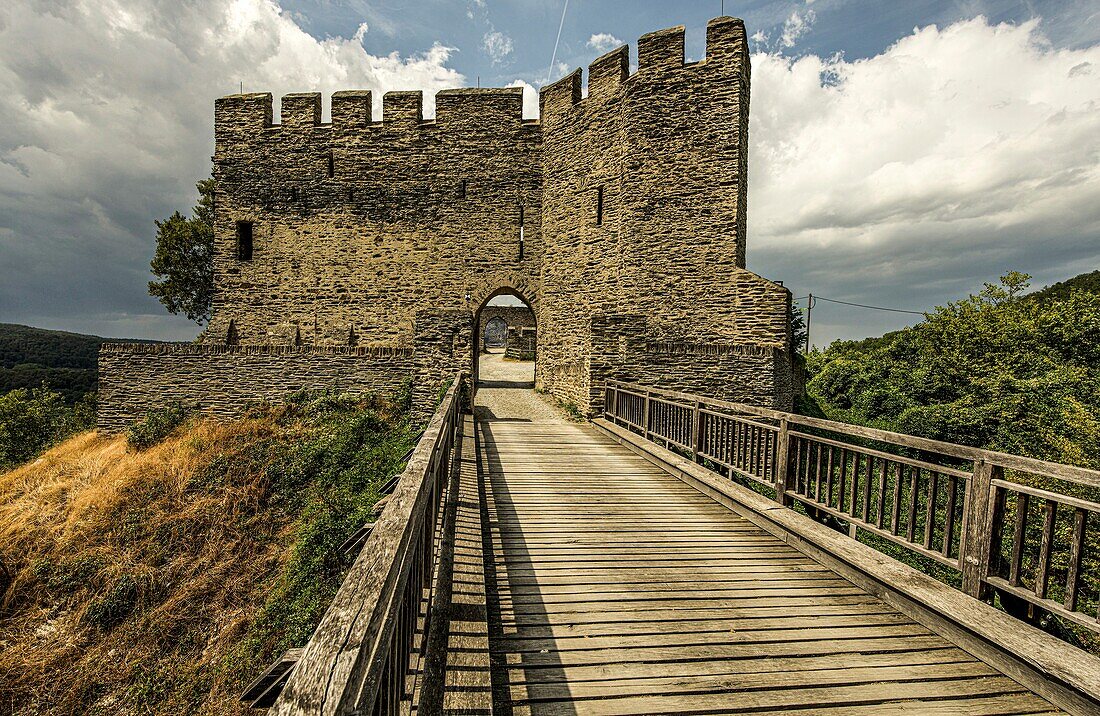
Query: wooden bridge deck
615	588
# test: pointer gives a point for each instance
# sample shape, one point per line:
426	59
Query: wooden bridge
687	555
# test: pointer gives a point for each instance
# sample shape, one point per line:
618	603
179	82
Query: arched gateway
360	251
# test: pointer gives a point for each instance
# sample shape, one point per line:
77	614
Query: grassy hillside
160	581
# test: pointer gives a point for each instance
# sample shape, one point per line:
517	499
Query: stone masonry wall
358	224
223	380
644	205
744	373
513	316
135	378
394	232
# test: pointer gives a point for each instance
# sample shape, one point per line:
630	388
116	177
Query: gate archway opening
505	342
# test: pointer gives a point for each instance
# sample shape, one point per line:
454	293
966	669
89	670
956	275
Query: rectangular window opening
462	190
331	165
599	206
521	232
244	240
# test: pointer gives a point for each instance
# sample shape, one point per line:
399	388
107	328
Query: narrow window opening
294	193
462	189
521	232
331	165
599	206
244	240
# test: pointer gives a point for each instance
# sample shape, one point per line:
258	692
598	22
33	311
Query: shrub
156	426
33	420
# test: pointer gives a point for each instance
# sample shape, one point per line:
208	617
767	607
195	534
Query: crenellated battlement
660	55
488	109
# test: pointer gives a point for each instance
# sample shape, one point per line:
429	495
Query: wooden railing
1026	527
363	656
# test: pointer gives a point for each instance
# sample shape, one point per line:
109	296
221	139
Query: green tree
184	260
33	420
997	369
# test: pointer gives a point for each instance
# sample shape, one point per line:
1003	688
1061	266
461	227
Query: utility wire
554	57
862	305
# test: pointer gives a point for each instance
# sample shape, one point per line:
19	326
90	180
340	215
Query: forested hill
1003	369
65	362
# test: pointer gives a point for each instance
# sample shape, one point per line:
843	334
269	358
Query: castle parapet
239	114
301	111
402	109
727	42
607	73
352	109
479	108
663	49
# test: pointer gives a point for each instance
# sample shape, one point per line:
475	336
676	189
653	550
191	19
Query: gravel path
506	393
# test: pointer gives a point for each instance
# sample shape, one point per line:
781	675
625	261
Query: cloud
604	42
106	113
796	25
530	98
497	46
907	178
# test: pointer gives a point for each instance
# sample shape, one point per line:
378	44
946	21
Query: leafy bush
33	420
999	369
156	426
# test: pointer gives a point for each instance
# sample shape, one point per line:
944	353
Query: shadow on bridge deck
615	588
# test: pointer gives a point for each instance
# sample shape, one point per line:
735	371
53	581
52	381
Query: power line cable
862	305
554	57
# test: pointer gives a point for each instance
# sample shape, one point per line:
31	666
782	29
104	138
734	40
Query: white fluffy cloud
497	46
604	42
957	153
106	122
530	98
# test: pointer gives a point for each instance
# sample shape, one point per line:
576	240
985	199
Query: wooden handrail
940	512
1080	475
358	658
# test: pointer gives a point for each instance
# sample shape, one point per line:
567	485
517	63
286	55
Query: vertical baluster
829	479
1023	501
817	474
914	484
895	513
843	478
754	451
1076	552
798	446
949	516
867	488
881	506
1042	569
853	487
930	508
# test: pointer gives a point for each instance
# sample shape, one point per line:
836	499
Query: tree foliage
184	259
33	420
997	369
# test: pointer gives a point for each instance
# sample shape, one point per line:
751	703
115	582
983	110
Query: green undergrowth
162	580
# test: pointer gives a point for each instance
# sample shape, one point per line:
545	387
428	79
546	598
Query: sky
901	153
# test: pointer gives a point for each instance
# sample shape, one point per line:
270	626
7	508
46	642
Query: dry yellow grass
125	584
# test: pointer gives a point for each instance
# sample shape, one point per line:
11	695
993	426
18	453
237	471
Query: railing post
976	549
645	417
696	431
782	448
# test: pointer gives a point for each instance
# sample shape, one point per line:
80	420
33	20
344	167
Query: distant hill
31	357
1089	282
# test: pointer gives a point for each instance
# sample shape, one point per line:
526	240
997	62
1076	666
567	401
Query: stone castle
360	253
